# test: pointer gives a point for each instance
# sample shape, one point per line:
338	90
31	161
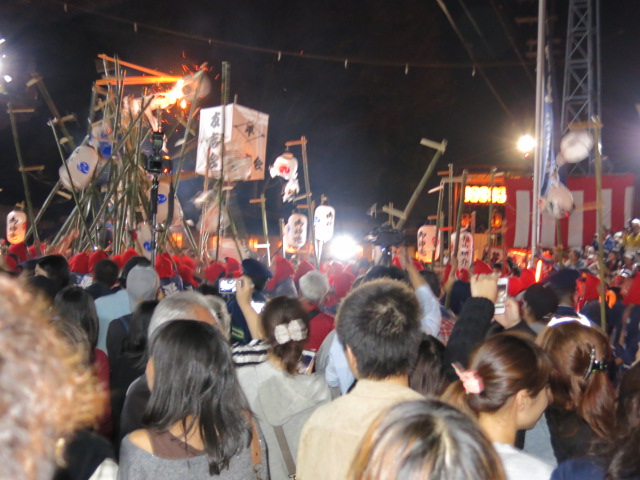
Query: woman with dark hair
582	413
425	439
76	305
198	420
427	376
281	397
506	389
127	349
619	459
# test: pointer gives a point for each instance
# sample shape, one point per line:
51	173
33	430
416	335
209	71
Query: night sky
363	122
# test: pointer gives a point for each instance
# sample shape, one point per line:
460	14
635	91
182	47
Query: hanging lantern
16	226
323	222
163	204
143	239
496	220
575	146
426	244
558	201
465	221
100	138
296	230
82	164
285	166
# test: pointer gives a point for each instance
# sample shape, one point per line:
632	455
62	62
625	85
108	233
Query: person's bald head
182	306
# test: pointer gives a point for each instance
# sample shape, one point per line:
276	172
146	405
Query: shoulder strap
256	451
286	451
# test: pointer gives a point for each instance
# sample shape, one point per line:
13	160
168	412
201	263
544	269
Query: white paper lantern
143	238
16	226
558	201
285	166
323	222
426	243
82	164
575	146
101	138
465	250
296	230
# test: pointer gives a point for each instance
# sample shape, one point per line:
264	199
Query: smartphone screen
503	283
227	285
305	366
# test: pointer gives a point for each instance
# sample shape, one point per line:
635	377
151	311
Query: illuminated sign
484	194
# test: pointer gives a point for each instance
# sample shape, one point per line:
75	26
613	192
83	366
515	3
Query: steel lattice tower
581	89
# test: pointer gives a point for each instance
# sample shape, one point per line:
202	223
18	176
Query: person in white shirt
506	388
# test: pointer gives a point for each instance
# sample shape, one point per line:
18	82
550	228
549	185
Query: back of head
623	450
77	306
57	269
106	272
131	263
541	299
45	390
182	306
219	306
135	342
314	286
195	381
286	326
427	376
379	322
425	439
505	364
579	379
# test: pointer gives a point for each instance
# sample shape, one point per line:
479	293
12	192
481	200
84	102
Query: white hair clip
292	331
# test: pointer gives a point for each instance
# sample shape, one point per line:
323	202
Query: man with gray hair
314	287
186	305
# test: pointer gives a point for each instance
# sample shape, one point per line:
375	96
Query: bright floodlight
2	40
7	78
526	143
343	247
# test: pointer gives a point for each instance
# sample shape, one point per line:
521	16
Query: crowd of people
113	368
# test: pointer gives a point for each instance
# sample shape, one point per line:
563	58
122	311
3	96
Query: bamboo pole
597	126
463	184
441	147
23	173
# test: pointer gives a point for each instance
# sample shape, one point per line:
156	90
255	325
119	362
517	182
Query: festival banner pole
537	157
439	217
450	213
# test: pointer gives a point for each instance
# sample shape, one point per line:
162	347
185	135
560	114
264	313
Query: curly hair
46	391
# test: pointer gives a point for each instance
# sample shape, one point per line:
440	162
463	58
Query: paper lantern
285	166
575	146
496	220
426	244
163	204
100	139
143	238
245	132
16	226
296	230
465	250
558	201
82	164
323	222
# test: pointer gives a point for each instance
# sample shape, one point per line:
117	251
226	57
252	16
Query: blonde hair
46	391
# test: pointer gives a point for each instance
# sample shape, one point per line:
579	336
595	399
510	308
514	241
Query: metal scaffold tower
581	89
